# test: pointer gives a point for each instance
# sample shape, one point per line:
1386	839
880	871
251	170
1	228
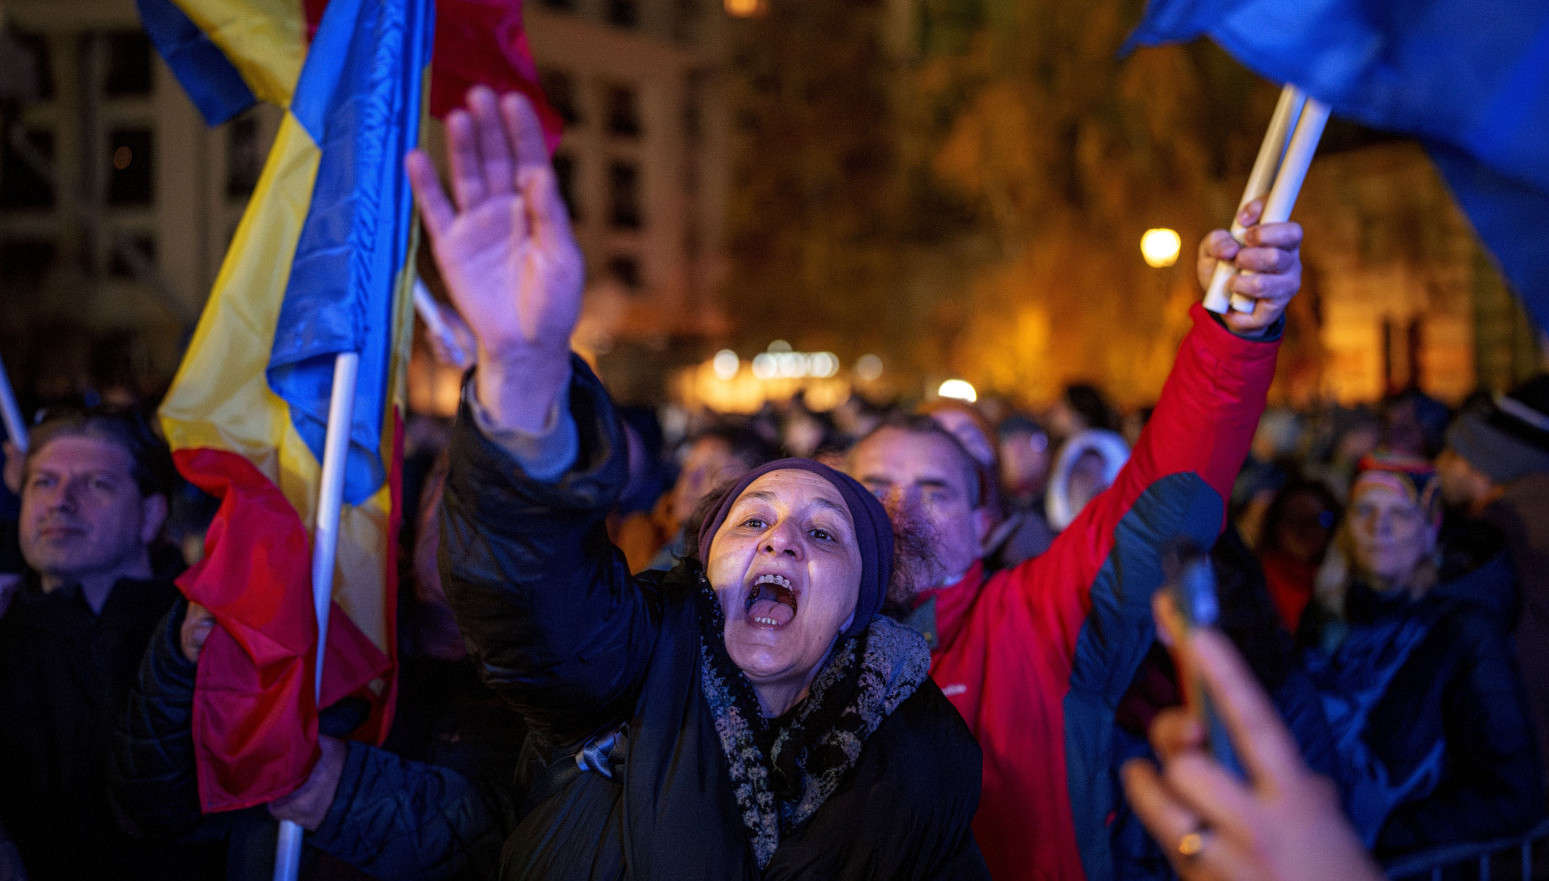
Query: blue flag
359	101
1468	78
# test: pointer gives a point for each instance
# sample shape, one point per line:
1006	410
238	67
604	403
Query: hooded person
746	714
1086	465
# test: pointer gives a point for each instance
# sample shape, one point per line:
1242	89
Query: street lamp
958	389
745	8
1160	247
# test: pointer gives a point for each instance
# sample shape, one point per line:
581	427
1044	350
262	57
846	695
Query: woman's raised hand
506	252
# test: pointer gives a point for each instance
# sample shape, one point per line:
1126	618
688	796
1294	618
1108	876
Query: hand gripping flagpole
1279	171
325	548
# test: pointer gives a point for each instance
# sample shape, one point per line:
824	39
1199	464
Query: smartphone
1192	583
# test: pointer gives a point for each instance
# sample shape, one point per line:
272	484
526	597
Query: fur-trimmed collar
784	769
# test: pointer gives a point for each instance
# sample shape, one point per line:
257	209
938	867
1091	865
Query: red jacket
1037	657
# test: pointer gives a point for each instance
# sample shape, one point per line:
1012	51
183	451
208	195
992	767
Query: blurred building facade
1404	293
117	202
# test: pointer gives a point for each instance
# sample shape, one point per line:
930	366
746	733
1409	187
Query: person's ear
983	522
153	515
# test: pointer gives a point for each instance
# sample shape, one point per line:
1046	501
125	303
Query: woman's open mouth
772	601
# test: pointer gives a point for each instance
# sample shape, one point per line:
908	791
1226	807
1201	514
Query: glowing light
744	8
959	389
868	368
1160	247
765	366
779	346
725	364
824	364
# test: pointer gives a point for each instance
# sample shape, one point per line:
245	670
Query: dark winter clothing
1428	713
391	817
1522	514
650	757
64	675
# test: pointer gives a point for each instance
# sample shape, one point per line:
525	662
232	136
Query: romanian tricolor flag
230	53
321	265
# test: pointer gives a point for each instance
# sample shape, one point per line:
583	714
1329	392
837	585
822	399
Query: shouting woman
745	715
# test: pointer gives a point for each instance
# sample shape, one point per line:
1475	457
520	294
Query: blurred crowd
1383	572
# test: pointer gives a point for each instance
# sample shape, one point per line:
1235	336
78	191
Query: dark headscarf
873	531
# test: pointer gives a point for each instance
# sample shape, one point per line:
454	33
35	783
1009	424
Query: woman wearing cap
1417	676
744	715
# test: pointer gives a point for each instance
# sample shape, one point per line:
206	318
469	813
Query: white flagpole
429	311
325	547
1287	111
1293	170
15	425
1298	156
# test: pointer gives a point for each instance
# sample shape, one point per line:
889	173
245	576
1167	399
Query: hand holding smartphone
1188	600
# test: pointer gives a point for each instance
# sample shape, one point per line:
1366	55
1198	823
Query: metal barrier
1484	860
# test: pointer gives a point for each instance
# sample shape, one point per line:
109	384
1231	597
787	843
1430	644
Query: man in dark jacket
1495	468
94	497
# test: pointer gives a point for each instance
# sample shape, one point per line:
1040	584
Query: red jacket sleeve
1203	423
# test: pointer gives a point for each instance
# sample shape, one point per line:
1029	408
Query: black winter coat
391	817
64	674
1428	709
559	626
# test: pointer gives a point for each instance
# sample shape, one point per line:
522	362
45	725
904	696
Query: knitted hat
873	531
1510	438
1413	476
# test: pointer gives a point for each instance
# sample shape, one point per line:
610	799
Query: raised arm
1181	470
546	604
507	254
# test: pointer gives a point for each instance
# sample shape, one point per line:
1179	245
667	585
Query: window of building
24	263
140	247
692	127
565	171
626	270
244	156
560	89
623	13
24	176
33	71
623	106
685	19
128	68
132	179
566	5
624	195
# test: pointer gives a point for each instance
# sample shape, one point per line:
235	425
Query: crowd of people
882	643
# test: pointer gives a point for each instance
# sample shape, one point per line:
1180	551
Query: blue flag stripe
358	99
213	83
